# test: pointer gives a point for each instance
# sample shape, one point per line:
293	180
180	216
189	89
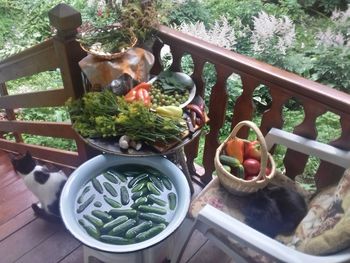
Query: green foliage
324	6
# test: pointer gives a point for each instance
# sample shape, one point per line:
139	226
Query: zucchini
110	177
91	230
112	224
139	194
124	195
97	204
134	231
123	227
230	161
152	209
119	212
84	205
105	217
93	220
136	179
113	203
110	189
167	183
115	240
156	200
121	177
81	197
138	187
158	183
139	201
172	200
154	218
97	185
152	188
150	232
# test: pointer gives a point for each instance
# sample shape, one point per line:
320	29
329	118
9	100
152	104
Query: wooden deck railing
63	52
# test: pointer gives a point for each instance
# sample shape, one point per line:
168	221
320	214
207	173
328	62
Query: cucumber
81	197
156	200
158	183
139	201
123	227
139	194
97	185
134	231
84	205
167	183
154	218
91	230
97	204
152	188
172	200
102	215
93	220
112	224
110	177
238	171
121	177
110	189
136	179
115	240
132	173
152	209
112	202
124	195
119	212
150	232
230	161
138	187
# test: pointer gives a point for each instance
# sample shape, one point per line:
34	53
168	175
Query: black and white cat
45	185
275	210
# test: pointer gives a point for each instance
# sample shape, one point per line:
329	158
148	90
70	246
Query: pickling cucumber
152	188
172	200
154	218
93	220
139	201
136	179
167	183
156	200
97	204
110	177
113	203
97	185
112	224
84	205
81	197
139	194
115	240
91	230
150	232
132	232
228	160
120	212
123	227
105	217
110	189
152	209
138	187
124	195
158	183
121	177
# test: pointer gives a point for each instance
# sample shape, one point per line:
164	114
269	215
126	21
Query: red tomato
249	177
267	170
252	150
251	166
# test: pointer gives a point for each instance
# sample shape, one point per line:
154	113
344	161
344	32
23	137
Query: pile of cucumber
126	205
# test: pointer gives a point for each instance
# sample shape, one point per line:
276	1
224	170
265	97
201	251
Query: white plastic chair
214	223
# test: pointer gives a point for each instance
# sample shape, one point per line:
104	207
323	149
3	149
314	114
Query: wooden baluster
192	148
10	113
244	107
217	109
328	173
294	161
273	116
177	54
158	65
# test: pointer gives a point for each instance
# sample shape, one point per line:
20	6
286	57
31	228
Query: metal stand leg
180	156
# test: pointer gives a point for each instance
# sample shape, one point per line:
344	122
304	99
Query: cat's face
24	164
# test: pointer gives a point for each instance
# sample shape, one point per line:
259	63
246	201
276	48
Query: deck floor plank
74	257
209	253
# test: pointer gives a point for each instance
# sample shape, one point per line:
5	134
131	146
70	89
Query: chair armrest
307	146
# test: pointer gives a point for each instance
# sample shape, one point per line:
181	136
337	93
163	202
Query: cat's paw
37	209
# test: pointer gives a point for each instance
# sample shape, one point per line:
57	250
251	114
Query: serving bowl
98	164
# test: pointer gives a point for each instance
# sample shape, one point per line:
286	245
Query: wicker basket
237	185
104	55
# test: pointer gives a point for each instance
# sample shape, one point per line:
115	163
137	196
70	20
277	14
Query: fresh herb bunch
170	82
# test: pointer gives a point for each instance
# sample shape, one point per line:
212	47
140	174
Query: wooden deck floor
28	239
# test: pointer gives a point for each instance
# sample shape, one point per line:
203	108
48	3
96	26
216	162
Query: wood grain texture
75	256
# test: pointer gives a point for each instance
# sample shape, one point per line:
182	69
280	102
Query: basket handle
261	139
